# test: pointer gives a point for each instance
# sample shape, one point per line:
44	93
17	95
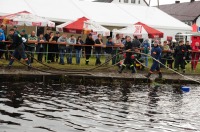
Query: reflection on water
35	107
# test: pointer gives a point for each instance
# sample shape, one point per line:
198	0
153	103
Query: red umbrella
76	26
152	33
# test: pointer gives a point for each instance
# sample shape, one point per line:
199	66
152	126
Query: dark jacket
158	51
136	43
39	46
17	40
79	47
180	51
97	41
108	50
128	45
89	41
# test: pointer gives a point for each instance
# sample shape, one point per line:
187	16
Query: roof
187	11
112	14
109	1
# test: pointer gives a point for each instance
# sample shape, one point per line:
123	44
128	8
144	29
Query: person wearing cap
18	45
180	53
89	41
15	29
32	42
156	54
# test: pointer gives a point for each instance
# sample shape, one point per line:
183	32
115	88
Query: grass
82	65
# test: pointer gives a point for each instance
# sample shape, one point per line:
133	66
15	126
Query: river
34	107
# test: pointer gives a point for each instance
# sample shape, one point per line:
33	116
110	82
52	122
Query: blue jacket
2	35
158	51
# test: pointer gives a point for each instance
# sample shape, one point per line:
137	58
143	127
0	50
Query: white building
135	2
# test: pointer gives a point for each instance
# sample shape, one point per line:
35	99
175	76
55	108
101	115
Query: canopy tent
83	25
25	18
140	30
106	14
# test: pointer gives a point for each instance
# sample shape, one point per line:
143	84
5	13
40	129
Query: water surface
34	107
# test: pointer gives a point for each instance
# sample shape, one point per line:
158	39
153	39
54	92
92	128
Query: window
138	1
125	1
132	1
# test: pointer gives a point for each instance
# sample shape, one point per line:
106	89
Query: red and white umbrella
25	18
83	25
141	30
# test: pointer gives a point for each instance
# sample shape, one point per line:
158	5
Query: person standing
89	41
2	45
180	56
156	54
41	46
56	50
128	60
8	46
98	42
79	41
136	43
19	49
71	41
164	56
108	50
189	48
117	42
62	47
32	41
145	46
51	54
195	56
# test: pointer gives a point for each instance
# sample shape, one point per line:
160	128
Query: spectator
47	35
117	42
136	43
165	49
145	49
2	46
41	47
180	55
51	54
62	47
98	42
89	41
9	46
32	41
108	50
195	55
188	47
71	40
124	40
170	59
78	49
15	29
56	50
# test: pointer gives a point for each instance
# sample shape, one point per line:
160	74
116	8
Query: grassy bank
82	65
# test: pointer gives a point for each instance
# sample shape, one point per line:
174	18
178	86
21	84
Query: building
136	2
186	12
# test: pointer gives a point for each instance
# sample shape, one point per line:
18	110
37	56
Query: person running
128	60
156	54
180	56
195	56
89	41
18	49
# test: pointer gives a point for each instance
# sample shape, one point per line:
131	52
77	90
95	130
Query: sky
154	2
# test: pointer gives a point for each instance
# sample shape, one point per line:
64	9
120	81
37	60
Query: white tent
107	14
